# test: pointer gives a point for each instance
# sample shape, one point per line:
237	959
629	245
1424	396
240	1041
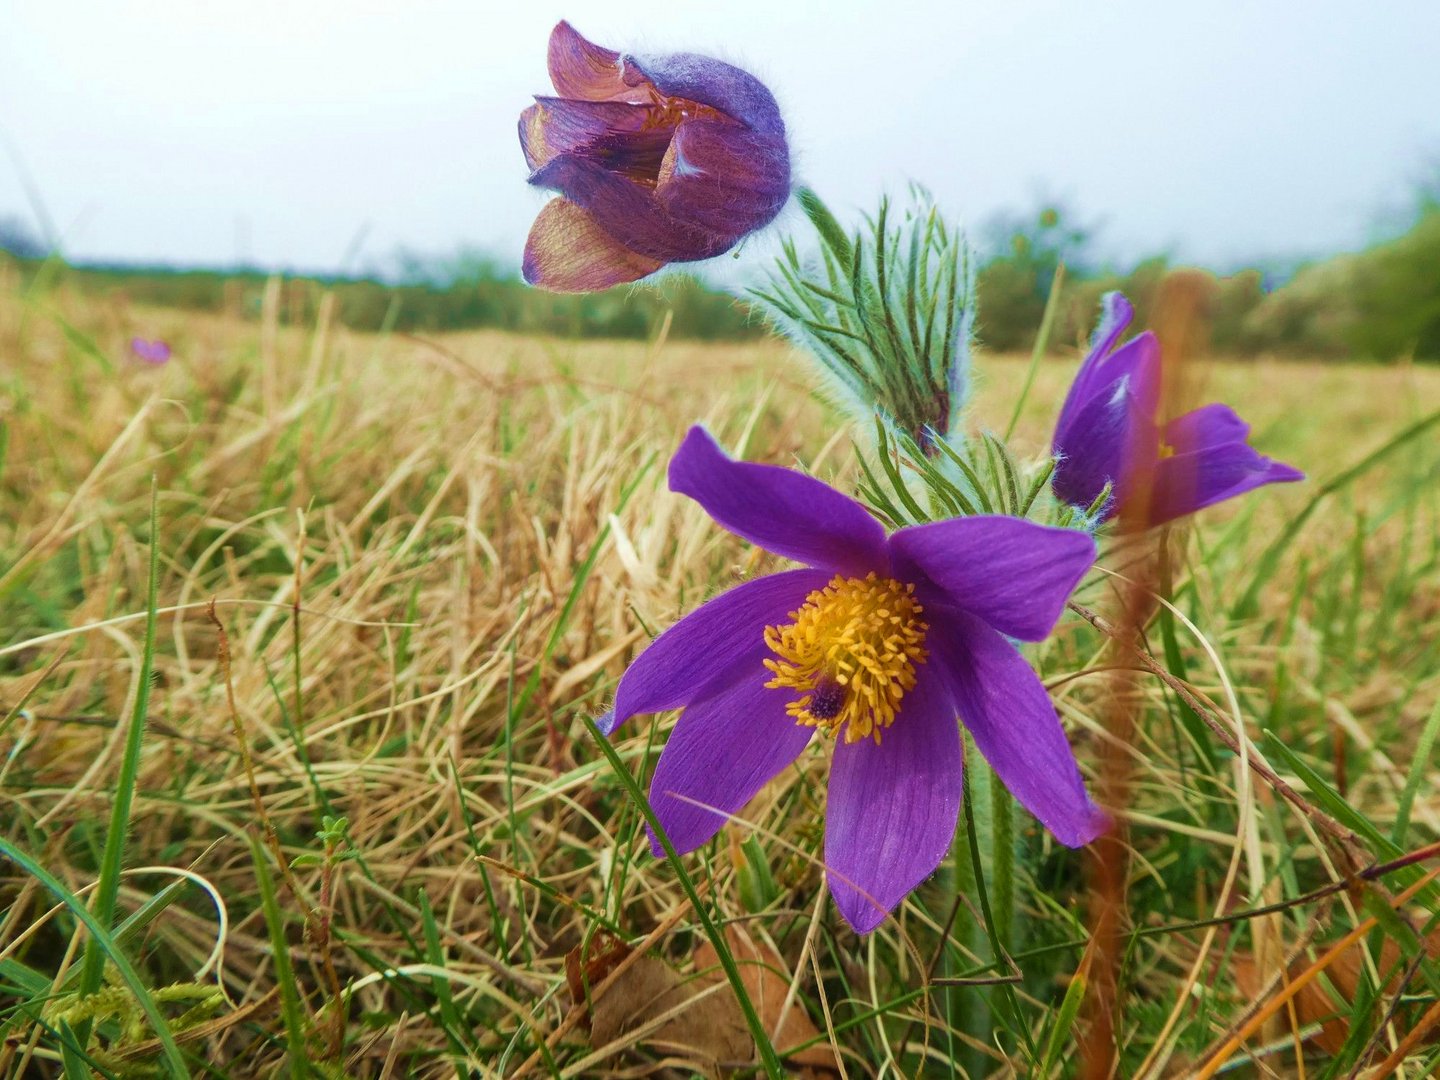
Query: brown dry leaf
1314	1003
708	1035
603	956
761	970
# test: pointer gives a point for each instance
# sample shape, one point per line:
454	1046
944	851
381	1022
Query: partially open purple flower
657	159
880	641
1107	433
152	352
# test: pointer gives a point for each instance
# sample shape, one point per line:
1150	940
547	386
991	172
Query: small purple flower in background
1107	433
152	352
881	641
657	159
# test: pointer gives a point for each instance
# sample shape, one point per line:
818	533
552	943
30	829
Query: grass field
429	562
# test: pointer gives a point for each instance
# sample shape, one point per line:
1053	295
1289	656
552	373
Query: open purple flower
152	352
657	159
879	641
1107	433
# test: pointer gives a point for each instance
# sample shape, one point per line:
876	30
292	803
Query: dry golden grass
431	558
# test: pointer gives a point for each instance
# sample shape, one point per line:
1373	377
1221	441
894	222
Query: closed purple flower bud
656	159
1108	434
152	352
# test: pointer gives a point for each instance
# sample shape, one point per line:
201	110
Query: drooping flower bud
656	159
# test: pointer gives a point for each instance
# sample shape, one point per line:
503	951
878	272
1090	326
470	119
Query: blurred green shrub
427	296
1381	304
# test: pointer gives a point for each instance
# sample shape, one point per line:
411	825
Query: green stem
1042	342
1002	860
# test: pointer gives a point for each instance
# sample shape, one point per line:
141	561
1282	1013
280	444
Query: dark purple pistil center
827	700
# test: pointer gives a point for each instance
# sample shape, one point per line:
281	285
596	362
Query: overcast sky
283	131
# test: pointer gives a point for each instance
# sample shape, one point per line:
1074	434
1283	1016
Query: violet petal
1013	574
707	81
152	352
568	251
781	510
1115	315
1134	370
627	210
1008	712
1210	425
1109	437
581	69
720	754
891	809
1207	475
626	135
707	646
1113	435
724	178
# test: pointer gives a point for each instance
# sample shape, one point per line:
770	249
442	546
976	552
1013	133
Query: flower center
852	650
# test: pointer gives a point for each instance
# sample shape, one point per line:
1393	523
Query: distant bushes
424	301
1379	304
1382	303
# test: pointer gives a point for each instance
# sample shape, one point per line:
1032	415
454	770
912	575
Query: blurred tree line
416	294
1382	303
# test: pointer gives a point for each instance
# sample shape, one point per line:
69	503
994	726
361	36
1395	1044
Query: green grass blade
290	1006
435	955
1064	1021
1424	751
1265	565
108	887
768	1059
109	949
1042	343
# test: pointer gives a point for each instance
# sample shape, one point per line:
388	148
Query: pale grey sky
276	130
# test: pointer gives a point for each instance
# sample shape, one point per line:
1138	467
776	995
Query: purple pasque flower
152	352
1108	433
656	159
879	641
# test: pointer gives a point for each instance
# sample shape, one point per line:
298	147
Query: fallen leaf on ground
762	970
707	1030
1314	1002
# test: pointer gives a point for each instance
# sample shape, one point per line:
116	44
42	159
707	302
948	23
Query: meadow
338	688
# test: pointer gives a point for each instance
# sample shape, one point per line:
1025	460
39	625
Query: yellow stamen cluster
852	650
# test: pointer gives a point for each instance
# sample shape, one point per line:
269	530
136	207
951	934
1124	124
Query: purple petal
724	178
1207	475
581	69
1111	436
627	210
625	135
1133	370
720	754
709	646
707	81
152	352
891	809
1013	574
1115	315
781	510
1207	426
568	251
1004	705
